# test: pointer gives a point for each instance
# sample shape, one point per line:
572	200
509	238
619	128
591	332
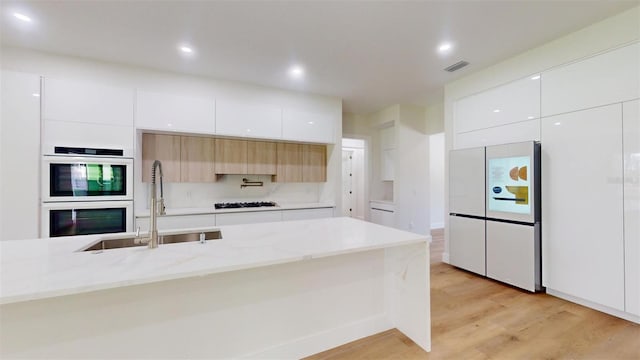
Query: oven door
68	178
86	218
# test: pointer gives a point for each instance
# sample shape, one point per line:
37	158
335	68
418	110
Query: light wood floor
477	318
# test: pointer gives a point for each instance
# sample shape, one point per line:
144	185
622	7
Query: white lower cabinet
631	126
582	205
170	222
511	254
467	244
306	214
250	217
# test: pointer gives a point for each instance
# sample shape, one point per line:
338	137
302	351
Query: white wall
195	195
411	185
436	179
607	34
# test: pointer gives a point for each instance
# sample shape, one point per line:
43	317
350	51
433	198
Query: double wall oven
86	191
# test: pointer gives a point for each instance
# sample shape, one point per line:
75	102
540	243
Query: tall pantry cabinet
590	180
19	155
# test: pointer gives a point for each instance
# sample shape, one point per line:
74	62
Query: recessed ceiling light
535	77
296	71
530	117
496	110
445	47
36	94
310	123
556	124
186	49
22	17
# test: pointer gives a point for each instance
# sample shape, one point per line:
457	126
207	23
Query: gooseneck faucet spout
156	207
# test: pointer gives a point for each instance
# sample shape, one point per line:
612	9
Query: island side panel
284	311
407	294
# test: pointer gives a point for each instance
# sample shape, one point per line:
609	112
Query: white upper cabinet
631	143
248	120
87	103
507	104
600	80
169	112
308	126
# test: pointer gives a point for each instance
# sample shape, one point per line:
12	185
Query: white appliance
495	212
83	178
86	191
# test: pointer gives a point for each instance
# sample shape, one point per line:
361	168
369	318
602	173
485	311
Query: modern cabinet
302	125
582	205
306	214
169	112
197	159
631	142
19	156
86	102
301	163
230	156
245	157
603	79
289	162
250	217
261	157
314	163
167	149
514	102
85	114
382	213
505	114
248	120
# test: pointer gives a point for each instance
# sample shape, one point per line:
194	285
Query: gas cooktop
245	204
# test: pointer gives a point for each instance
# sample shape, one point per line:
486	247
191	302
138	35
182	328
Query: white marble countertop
42	268
212	210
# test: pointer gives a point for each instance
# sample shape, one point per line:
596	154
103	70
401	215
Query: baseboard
595	306
324	340
437	226
445	258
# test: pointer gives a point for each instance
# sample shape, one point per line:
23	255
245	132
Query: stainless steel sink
116	243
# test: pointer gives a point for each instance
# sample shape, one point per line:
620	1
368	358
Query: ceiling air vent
456	66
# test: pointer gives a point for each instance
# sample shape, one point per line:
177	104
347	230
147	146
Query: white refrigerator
494	212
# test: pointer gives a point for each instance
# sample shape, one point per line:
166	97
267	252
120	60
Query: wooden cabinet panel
314	163
289	164
197	163
261	158
230	156
165	148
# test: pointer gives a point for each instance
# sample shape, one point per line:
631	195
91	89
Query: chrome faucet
156	208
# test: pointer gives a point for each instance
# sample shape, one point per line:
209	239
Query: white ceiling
370	54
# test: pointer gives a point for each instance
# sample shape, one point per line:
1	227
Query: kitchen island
271	290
